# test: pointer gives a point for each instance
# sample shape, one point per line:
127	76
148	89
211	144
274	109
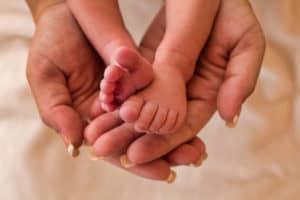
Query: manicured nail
125	162
85	143
234	122
172	177
74	152
92	156
202	158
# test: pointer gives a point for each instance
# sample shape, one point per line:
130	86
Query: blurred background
260	159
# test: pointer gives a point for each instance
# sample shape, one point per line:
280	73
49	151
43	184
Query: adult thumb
49	87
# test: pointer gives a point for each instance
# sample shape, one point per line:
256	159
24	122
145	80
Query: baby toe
106	98
113	73
159	119
127	58
108	107
170	123
183	155
140	70
131	108
107	87
146	117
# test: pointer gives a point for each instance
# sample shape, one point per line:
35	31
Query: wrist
37	7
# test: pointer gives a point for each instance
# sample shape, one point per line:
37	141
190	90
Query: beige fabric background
260	159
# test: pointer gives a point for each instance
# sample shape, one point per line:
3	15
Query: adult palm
64	72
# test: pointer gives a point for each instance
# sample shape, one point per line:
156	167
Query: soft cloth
257	160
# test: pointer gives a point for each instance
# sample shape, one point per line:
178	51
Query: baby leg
103	25
127	71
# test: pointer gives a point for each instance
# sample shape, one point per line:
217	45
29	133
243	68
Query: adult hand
64	73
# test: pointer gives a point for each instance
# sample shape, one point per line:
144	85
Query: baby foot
128	73
161	107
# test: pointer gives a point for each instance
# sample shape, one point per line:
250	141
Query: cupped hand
64	72
226	75
232	58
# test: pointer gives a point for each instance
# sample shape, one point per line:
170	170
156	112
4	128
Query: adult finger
241	75
100	125
191	153
118	139
115	140
156	170
159	169
49	88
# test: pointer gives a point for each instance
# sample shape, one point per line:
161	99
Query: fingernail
125	162
202	158
74	152
92	156
171	178
85	143
234	122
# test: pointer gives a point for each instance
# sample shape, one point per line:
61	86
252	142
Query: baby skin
104	27
161	106
152	96
157	107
